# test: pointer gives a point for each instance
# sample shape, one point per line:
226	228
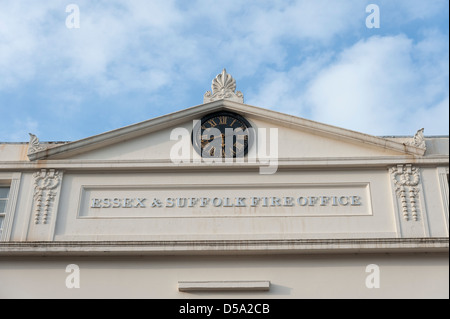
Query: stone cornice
129	132
226	247
307	162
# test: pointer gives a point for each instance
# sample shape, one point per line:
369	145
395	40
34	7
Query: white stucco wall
53	212
296	276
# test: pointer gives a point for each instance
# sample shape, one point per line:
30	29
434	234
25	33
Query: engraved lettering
181	202
313	200
324	200
217	202
288	201
334	198
127	203
343	200
356	201
276	201
227	203
318	202
204	201
140	202
302	201
241	202
192	202
156	203
96	203
106	203
170	202
117	203
255	201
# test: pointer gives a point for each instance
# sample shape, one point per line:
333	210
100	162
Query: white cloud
20	129
381	86
434	119
368	86
284	91
21	27
115	44
402	12
285	50
121	44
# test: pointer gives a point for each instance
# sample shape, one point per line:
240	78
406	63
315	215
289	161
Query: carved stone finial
34	146
223	87
418	140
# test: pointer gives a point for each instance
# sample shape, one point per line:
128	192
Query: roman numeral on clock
223	120
212	123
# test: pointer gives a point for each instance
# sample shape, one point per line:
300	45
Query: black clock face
222	134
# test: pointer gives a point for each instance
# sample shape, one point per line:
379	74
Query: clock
222	135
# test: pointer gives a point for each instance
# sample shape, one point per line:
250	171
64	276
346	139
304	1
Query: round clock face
222	134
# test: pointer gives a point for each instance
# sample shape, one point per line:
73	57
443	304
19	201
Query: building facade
225	200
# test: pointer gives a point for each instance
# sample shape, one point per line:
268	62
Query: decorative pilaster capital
406	179
46	187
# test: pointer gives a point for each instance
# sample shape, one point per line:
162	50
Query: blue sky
134	60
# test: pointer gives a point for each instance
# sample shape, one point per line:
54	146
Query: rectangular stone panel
200	201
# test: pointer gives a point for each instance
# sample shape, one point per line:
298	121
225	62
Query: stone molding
225	247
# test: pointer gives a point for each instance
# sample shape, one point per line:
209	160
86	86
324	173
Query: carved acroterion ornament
223	88
418	140
34	146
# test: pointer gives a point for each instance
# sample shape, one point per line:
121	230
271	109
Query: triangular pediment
297	138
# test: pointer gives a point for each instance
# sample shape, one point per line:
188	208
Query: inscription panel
200	201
